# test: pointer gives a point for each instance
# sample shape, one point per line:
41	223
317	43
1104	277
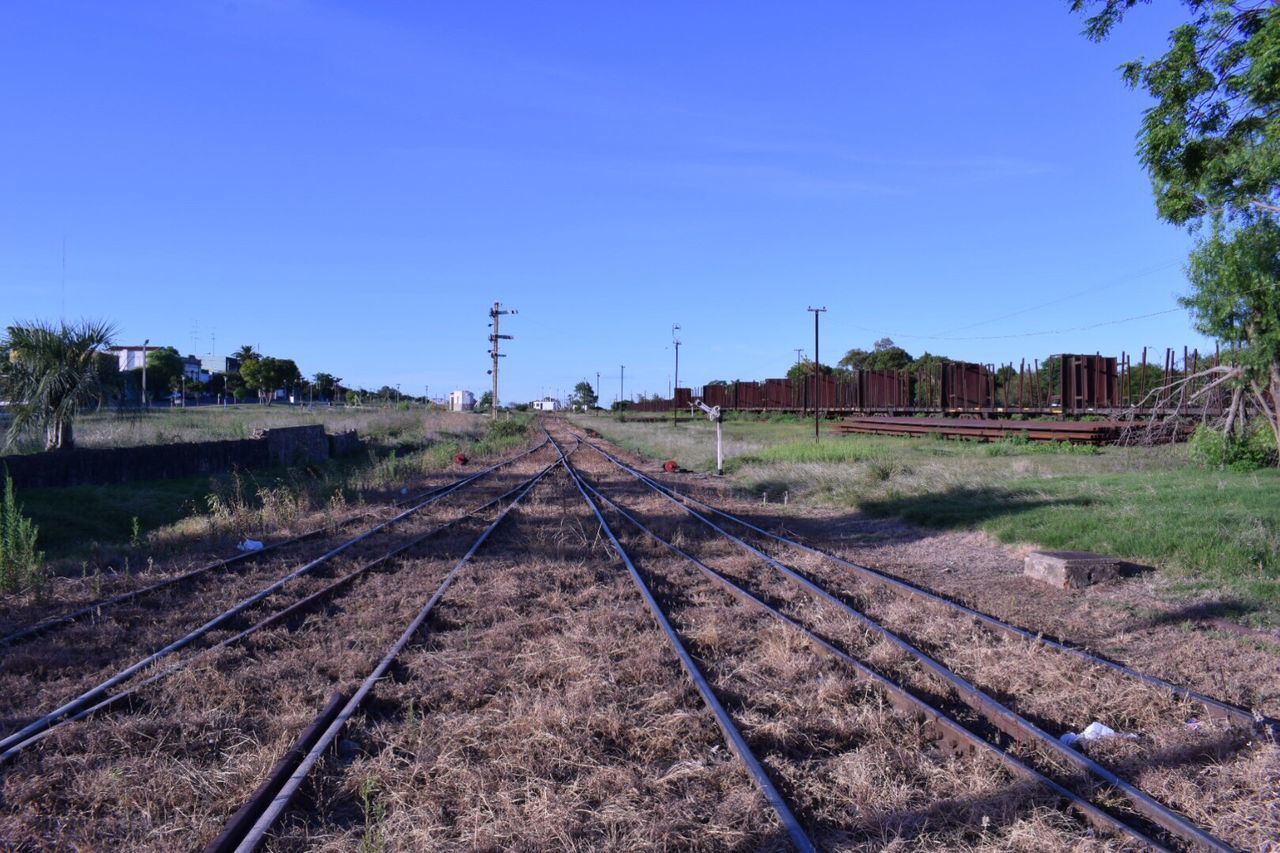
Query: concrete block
1071	569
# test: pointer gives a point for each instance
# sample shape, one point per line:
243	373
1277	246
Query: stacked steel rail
1157	821
1069	385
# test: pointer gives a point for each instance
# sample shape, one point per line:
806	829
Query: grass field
1204	529
165	425
96	523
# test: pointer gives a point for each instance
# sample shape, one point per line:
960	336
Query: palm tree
246	353
52	373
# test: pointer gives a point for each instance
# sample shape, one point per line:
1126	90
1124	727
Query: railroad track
286	549
962	712
368	580
102	646
815	671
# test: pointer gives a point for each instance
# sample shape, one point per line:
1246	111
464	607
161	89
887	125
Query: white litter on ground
1094	731
250	545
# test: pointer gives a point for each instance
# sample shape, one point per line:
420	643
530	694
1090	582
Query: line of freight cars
1067	385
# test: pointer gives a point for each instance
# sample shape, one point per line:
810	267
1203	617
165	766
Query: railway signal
495	314
675	410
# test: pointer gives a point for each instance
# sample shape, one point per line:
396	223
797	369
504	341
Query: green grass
92	522
164	425
806	451
73	518
1201	528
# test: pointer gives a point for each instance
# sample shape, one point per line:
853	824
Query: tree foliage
164	371
326	385
584	395
1211	144
884	355
806	368
266	375
51	374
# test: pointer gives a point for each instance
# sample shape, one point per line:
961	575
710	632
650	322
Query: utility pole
495	314
675	410
622	379
817	407
799	354
145	402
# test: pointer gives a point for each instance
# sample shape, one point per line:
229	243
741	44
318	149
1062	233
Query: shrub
508	427
21	565
1249	452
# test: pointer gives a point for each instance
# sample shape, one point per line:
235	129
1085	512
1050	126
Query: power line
1024	334
1067	298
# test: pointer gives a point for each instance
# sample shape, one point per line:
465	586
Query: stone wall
286	446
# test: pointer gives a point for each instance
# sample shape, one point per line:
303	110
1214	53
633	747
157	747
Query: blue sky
353	184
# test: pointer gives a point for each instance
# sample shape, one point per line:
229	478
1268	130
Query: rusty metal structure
1069	385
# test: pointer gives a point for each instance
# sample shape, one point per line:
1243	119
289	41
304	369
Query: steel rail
98	690
1213	707
254	838
799	837
1004	718
45	625
296	607
946	726
241	821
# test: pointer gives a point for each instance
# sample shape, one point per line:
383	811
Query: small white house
461	401
131	357
546	405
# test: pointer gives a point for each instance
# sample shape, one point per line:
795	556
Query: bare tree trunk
58	436
1274	412
1233	410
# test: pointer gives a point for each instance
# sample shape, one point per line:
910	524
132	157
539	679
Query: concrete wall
286	446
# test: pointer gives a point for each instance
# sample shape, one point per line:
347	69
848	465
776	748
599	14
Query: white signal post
713	414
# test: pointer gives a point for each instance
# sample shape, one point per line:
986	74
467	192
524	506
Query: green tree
485	402
1211	144
326	385
246	353
584	395
266	375
164	371
888	358
109	376
51	374
853	359
884	355
804	369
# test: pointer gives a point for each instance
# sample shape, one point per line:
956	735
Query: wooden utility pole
495	314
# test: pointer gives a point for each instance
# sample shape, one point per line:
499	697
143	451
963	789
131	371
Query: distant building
193	367
461	401
546	404
221	364
131	357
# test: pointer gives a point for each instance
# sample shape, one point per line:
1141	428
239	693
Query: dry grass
543	712
1179	764
542	709
178	763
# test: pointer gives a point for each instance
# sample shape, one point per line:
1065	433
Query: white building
461	401
131	357
545	405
